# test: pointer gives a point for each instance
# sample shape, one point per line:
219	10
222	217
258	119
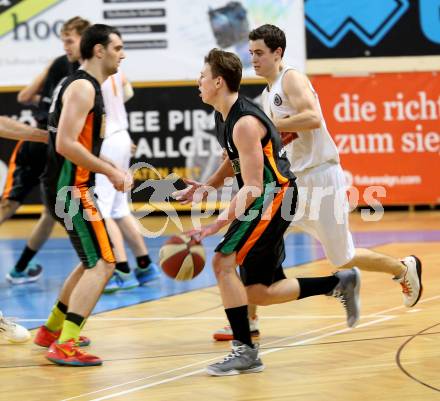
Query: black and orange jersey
59	171
276	166
60	68
26	165
257	239
66	186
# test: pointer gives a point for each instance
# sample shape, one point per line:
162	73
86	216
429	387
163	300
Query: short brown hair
272	36
96	34
77	24
226	65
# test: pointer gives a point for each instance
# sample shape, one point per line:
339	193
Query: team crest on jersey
277	101
236	166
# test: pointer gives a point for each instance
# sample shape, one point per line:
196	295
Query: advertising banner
166	40
372	28
172	128
384	125
387	132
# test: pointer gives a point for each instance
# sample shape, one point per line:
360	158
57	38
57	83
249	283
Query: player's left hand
199	233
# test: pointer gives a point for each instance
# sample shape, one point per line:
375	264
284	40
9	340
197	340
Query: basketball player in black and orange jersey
76	132
11	129
26	168
259	214
28	160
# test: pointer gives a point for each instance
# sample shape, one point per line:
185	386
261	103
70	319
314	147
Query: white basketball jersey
115	113
311	148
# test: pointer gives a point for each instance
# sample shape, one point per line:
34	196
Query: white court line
145	386
381	319
148	319
404	307
216	358
198	363
372	315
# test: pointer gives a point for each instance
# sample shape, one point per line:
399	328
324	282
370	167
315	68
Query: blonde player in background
292	104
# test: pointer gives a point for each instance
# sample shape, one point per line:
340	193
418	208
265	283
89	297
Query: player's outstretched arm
11	129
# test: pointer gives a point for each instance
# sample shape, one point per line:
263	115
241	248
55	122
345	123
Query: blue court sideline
34	301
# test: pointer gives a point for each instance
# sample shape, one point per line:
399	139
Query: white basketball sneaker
13	332
411	281
225	333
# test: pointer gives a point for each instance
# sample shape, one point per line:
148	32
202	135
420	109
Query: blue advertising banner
372	28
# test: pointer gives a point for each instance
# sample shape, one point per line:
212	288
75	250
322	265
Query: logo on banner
370	20
16	13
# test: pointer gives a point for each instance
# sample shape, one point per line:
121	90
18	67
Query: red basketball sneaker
44	338
70	354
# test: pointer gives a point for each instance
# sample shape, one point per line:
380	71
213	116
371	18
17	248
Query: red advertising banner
386	128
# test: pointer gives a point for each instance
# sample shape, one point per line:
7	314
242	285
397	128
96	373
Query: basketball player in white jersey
117	147
291	102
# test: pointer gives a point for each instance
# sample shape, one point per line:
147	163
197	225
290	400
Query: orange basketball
182	258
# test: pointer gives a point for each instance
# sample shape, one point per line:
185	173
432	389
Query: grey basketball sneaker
242	359
347	291
411	281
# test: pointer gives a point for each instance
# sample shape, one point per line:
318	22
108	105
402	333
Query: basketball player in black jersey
76	131
29	159
259	214
11	129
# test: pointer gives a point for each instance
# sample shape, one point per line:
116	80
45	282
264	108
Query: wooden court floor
158	350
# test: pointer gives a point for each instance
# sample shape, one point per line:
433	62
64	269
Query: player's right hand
193	193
